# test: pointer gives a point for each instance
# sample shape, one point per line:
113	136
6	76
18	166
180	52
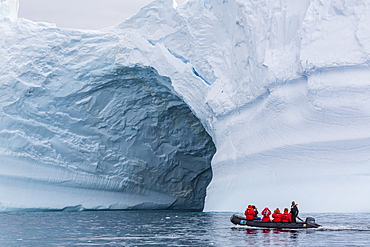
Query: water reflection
269	236
250	231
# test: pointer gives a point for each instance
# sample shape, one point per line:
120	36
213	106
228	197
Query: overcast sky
87	14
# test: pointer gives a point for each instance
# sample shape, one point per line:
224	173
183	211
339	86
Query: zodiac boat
240	220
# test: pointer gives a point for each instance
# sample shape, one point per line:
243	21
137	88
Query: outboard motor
310	221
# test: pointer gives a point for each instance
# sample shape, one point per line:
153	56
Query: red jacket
286	217
276	216
249	214
266	214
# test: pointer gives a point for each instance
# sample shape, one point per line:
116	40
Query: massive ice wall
305	123
304	116
80	129
281	86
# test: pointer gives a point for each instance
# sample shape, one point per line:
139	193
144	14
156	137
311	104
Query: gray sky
87	14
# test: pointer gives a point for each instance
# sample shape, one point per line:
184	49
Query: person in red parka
246	211
255	211
287	217
266	214
276	215
249	213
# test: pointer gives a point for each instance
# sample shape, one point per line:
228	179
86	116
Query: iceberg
130	116
81	130
282	89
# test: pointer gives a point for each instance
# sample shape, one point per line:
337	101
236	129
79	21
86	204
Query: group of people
251	213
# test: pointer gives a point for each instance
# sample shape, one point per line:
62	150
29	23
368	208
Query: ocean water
164	228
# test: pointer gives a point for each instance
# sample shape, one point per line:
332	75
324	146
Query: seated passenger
249	213
256	213
276	215
286	217
266	214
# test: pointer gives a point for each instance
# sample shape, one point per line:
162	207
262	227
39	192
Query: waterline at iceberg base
280	86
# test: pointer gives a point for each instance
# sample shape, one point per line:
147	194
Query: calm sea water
162	228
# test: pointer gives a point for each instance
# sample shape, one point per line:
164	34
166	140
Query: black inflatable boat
240	220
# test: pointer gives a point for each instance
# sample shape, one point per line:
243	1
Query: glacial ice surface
80	131
282	87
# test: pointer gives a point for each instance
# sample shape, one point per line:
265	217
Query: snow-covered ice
79	129
9	8
282	87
